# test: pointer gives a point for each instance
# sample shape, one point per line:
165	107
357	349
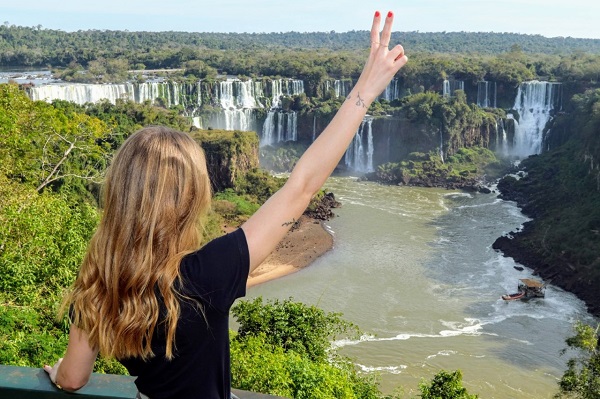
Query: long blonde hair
156	190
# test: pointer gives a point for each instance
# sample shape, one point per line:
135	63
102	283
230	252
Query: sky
550	18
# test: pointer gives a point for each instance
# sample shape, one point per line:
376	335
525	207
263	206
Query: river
414	269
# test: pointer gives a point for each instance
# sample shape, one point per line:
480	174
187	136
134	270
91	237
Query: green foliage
282	157
259	366
465	168
43	238
234	208
34	46
582	377
43	241
293	326
445	385
283	348
45	146
258	184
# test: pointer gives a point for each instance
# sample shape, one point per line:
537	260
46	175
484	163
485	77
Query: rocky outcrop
229	154
321	208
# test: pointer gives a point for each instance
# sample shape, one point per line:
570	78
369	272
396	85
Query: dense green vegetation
582	378
465	169
37	46
109	56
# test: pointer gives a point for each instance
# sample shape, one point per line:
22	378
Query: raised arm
267	227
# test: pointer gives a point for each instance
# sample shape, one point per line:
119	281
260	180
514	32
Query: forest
53	155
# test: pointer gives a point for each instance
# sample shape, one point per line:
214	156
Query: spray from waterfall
535	103
359	155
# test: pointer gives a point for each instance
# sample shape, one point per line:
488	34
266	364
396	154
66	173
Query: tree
582	378
296	327
445	385
45	146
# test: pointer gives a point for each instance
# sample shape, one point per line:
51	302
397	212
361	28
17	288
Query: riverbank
302	245
561	242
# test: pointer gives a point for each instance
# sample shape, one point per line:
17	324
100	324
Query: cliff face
560	190
229	154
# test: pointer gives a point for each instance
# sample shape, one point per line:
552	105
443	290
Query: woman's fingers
386	33
397	53
375	31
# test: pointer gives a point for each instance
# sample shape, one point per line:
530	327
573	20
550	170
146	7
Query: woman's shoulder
225	252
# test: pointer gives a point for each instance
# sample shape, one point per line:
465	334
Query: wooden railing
26	382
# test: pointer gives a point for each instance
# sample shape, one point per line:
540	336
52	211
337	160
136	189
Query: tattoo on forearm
359	101
294	223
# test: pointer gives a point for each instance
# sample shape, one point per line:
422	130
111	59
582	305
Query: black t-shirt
215	275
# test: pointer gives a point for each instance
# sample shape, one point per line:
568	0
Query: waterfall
534	103
279	126
237	94
171	93
233	119
314	135
486	94
285	87
357	157
391	92
501	139
236	99
450	86
341	88
82	93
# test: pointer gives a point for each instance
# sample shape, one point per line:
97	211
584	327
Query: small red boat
513	297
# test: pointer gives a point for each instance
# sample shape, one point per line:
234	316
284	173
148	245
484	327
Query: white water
486	94
236	99
535	102
414	268
359	155
450	86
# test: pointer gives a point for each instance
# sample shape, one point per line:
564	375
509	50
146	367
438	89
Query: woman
145	294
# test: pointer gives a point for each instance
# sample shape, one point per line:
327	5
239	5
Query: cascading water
535	103
501	140
359	155
237	99
280	126
450	86
85	93
237	94
171	93
341	88
391	92
486	94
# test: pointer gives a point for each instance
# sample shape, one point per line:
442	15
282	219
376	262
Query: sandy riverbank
300	247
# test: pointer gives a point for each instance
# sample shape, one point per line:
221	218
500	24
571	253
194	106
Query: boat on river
527	289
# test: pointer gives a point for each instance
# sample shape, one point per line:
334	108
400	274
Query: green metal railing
27	382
